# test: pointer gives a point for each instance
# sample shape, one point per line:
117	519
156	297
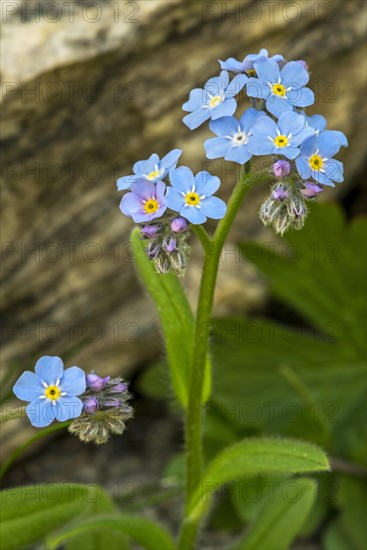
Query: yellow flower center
192	199
281	141
215	101
151	206
279	89
52	392
251	72
316	162
153	175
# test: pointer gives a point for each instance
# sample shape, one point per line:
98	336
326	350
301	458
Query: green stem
201	234
193	428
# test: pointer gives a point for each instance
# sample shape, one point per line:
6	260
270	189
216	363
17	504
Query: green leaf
29	513
352	497
252	457
140	529
320	272
281	519
176	319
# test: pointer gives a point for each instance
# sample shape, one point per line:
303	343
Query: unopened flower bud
91	405
279	193
311	190
96	382
170	246
152	252
281	168
119	388
149	231
179	225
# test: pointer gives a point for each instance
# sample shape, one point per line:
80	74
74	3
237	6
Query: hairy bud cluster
285	208
105	412
168	247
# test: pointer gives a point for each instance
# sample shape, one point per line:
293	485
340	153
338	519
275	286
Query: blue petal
206	184
217	84
334	170
226	108
124	182
146	166
68	407
256	88
239	154
217	147
193	214
316	121
267	70
341	137
294	74
289	152
197	98
328	144
174	199
303	97
322	178
303	167
236	85
195	119
182	179
139	217
225	126
304	134
265	126
231	64
170	160
28	386
213	208
130	203
73	382
277	105
291	123
49	369
41	412
249	119
260	145
309	146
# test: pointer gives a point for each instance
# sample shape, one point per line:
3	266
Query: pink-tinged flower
145	202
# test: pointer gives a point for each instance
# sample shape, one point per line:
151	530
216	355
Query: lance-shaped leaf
176	319
252	457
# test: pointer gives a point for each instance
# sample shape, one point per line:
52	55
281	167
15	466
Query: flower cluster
274	124
105	409
53	394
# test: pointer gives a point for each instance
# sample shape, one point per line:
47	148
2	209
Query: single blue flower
51	391
283	88
145	201
214	101
153	169
191	195
247	65
318	122
283	138
233	136
316	159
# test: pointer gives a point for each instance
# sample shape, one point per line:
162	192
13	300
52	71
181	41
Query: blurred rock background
88	88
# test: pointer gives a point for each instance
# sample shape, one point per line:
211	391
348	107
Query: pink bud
91	405
96	382
179	225
281	168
